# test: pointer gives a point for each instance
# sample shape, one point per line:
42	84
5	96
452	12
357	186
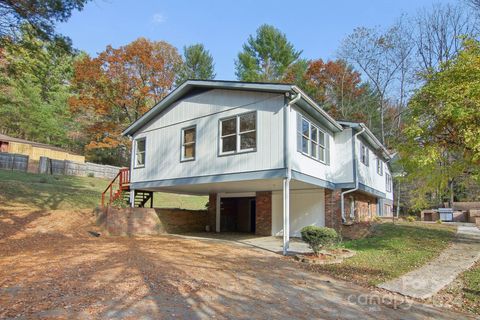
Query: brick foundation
263	221
212	211
362	212
333	208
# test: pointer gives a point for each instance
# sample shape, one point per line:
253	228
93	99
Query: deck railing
117	186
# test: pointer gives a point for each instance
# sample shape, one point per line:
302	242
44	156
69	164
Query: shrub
91	175
439	221
411	219
318	237
120	203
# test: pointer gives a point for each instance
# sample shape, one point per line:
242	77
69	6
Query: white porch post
286	215
132	198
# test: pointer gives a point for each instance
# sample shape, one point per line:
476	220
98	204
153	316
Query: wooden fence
13	161
70	168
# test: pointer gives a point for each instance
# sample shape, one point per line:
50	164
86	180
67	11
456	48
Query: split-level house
271	160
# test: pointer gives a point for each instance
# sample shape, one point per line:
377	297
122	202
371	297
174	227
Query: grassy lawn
69	192
464	293
471	289
391	251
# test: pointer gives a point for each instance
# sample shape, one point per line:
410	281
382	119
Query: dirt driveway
57	270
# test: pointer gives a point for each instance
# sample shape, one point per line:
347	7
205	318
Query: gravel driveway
63	272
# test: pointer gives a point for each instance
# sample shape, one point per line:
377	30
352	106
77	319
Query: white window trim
365	160
182	148
380	166
237	134
320	147
135	163
388	182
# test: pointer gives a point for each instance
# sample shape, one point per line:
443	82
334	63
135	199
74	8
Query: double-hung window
388	182
238	133
364	154
313	140
140	148
379	166
189	139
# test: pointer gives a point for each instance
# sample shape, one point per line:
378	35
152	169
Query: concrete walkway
272	244
426	281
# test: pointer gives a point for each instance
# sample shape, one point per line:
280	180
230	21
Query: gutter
288	178
355	167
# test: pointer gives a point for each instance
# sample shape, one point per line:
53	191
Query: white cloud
158	18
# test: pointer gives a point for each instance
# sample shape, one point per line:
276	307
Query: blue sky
316	27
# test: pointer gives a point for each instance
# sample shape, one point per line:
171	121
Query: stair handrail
123	176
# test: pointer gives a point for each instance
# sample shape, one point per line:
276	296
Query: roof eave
179	91
333	122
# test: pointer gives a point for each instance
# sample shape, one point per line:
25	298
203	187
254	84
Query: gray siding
163	136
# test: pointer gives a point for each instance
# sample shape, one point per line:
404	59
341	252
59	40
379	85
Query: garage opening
237	214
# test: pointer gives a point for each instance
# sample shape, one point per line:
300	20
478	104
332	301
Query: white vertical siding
163	136
305	164
368	174
343	164
307	207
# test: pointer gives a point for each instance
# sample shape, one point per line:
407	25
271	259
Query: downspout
355	168
288	178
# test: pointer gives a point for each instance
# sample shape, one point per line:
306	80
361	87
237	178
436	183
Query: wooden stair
119	188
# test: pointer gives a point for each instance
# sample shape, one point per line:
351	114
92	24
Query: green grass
471	289
391	251
69	192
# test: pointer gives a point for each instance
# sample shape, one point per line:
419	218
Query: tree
120	85
375	53
266	57
34	86
197	64
441	145
39	15
335	86
440	33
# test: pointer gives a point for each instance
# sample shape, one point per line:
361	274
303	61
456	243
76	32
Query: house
271	160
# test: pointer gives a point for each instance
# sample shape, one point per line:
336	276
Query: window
388	182
364	154
189	138
380	166
140	152
312	140
238	133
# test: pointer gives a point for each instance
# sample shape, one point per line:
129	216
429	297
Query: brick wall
146	221
361	206
263	221
333	213
333	208
212	211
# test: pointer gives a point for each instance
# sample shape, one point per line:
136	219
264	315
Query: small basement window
364	154
189	138
238	133
140	146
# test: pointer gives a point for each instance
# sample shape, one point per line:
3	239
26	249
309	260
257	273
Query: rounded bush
318	237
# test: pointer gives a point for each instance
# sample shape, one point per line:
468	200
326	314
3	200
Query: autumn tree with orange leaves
116	88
